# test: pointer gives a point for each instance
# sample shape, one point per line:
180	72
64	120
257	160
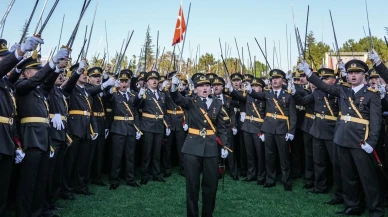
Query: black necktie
276	94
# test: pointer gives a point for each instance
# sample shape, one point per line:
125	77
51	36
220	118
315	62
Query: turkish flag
180	27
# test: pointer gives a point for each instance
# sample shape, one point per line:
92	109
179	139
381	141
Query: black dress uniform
226	126
33	112
178	135
124	127
153	123
7	125
200	150
254	119
279	120
239	138
96	146
57	101
81	126
325	117
302	90
360	121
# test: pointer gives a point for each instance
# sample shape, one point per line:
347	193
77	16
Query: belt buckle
251	118
126	118
273	116
99	114
347	118
10	121
203	133
86	113
64	118
156	116
47	121
174	112
313	117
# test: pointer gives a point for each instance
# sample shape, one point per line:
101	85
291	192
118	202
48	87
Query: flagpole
184	38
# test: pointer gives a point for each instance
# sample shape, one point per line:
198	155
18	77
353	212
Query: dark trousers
297	153
232	159
54	176
32	185
179	138
309	160
323	158
123	145
274	143
6	162
76	165
255	156
152	147
194	165
359	173
242	155
96	158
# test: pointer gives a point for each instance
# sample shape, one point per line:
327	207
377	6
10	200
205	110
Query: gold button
205	121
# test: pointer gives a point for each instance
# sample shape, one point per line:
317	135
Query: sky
209	20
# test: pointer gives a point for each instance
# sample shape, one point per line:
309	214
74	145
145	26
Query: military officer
356	137
279	128
153	124
200	147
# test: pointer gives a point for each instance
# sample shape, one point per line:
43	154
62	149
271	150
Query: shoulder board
132	94
267	89
228	97
288	91
372	90
345	84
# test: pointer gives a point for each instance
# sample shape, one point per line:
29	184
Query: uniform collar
357	88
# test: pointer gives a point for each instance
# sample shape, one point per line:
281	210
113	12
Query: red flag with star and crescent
180	28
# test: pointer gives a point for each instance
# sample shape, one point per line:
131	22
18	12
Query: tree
148	51
364	44
315	51
206	61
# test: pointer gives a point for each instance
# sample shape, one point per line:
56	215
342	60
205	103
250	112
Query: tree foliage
364	44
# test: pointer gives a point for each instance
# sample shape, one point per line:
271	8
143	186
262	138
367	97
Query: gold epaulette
345	84
372	90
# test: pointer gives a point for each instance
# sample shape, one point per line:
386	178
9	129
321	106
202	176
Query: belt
122	118
202	133
79	112
108	110
226	118
99	114
311	116
326	117
251	118
300	108
275	116
63	118
34	120
5	120
152	116
174	112
347	118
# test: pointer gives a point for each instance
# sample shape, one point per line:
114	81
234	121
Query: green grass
238	199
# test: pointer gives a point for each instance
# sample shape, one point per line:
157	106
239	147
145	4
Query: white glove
94	137
303	66
373	56
19	156
63	53
81	67
234	131
52	154
141	93
185	127
109	82
174	80
367	148
106	133
248	87
224	153
262	137
138	135
57	122
14	47
382	91
289	137
292	87
229	87
341	67
242	116
164	84
30	44
117	83
168	131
